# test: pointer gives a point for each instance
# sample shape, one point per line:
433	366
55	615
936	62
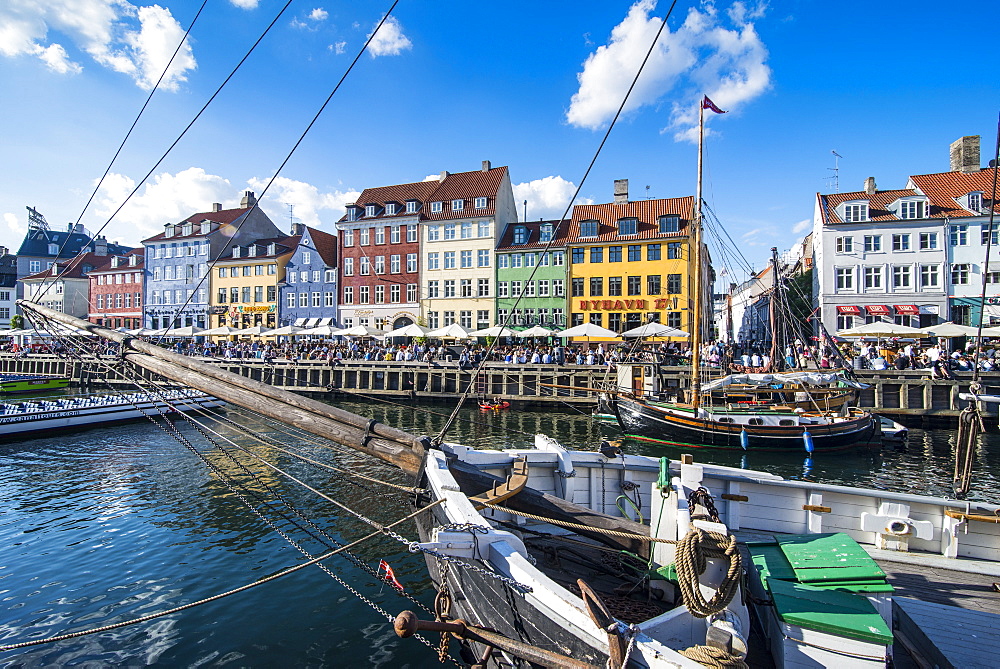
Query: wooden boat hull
640	420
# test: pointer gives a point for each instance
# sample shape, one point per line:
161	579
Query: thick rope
691	560
710	656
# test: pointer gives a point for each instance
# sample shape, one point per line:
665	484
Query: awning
906	309
877	309
855	311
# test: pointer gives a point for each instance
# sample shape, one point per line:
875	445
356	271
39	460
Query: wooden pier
910	395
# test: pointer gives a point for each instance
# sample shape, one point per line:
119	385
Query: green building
531	265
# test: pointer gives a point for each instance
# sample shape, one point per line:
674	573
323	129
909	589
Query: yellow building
244	290
629	263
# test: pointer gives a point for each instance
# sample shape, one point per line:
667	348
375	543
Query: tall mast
696	267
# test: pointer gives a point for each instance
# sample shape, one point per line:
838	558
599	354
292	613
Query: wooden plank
943	633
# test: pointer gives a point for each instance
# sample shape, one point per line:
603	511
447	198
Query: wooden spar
695	267
387	443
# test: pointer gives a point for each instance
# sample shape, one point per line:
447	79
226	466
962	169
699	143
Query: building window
411	292
985	236
975	202
394	293
597	319
873	243
411	232
615	254
674	251
596	286
653	284
545	232
348	237
588	228
365	236
352	213
390	210
480	203
901	276
576	286
467	230
845	244
466	259
449	288
960	274
558	258
234	294
520	234
576	319
673	284
502	289
614	286
258	293
316	299
628	226
558	288
911	209
394	266
845	278
380	264
515	289
379	294
449	260
366	268
433	233
465	288
670	224
433	261
928	241
901	242
529	288
596	254
484	228
348	266
433	289
854	213
484	287
961	314
635	285
483	258
674	319
449	231
290	300
411	263
380	235
394	234
577	256
457	205
369	210
543	288
993	277
329	276
516	259
960	235
364	295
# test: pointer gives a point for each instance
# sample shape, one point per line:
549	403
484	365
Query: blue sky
449	84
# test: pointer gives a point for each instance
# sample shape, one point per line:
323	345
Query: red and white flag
390	575
708	104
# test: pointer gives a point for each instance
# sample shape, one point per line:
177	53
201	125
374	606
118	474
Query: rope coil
693	552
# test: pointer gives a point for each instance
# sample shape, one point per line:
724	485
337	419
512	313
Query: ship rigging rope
206	600
51	281
569	205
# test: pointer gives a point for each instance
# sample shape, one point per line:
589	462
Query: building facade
307	296
65	286
116	291
531	274
458	240
245	283
630	263
8	286
178	283
379	256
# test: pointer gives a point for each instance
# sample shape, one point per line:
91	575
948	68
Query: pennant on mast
708	104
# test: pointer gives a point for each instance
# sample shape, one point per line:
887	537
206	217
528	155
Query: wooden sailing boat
805	422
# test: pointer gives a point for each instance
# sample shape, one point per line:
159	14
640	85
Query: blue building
309	291
177	276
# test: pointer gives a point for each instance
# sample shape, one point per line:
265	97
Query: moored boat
31	383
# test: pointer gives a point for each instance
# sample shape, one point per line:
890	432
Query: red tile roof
459	186
326	245
878	203
646	211
506	241
943	188
223	217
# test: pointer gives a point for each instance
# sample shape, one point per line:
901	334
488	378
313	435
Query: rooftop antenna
36	220
835	179
291	215
525	219
647	193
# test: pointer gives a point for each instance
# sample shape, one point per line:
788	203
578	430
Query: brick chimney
298	228
101	246
621	191
870	186
216	206
965	154
249	200
486	166
444	175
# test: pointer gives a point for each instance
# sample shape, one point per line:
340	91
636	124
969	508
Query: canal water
110	524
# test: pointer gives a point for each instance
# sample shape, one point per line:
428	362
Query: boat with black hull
11	384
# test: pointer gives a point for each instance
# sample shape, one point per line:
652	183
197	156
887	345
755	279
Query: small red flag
390	575
708	104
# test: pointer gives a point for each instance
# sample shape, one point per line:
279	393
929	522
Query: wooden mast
696	268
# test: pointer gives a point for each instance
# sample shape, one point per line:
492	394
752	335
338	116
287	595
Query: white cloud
431	177
307	200
319	14
547	197
701	57
389	40
802	226
169	197
245	4
136	41
340	47
15	226
763	235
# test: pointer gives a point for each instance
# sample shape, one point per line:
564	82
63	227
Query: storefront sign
616	305
263	309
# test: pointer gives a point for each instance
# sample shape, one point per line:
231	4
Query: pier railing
892	392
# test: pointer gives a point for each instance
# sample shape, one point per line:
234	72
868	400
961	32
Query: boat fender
744	439
808	440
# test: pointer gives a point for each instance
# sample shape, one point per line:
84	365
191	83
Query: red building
116	291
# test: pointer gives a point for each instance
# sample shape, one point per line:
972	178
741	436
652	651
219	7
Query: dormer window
412	206
53	249
628	226
437	207
86	269
545	232
133	261
855	213
457	205
252	251
369	210
975	201
352	213
520	235
206	227
390	208
186	229
272	249
168	230
114	261
912	209
480	203
670	223
588	228
236	251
